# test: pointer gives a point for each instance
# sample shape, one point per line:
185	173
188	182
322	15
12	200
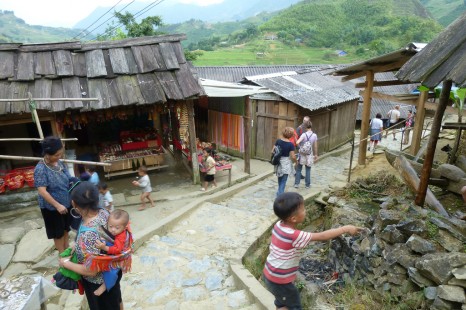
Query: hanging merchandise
133	165
144	162
138	165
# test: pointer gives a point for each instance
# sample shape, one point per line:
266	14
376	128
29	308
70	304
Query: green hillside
318	29
445	11
13	29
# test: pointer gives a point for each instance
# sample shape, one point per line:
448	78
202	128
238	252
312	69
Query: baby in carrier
117	238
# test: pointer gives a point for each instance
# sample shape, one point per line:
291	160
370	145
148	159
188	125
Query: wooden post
418	123
432	144
366	114
192	141
247	135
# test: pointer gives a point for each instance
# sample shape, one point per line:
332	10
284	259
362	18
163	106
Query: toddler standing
106	199
210	169
144	182
285	249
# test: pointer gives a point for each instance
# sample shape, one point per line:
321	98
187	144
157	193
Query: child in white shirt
144	183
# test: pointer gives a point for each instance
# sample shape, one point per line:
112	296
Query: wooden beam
374	68
395	98
62	160
432	143
192	141
383	83
354	76
454	126
418	123
247	135
366	113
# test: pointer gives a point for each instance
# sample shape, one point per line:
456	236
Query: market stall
135	149
221	164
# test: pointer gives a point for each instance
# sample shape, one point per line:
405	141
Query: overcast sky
66	13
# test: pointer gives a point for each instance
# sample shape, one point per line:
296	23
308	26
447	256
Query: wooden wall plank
179	52
108	64
95	64
25	67
5	94
43	89
189	85
145	58
98	88
169	56
169	85
72	89
79	64
132	65
159	58
150	88
43	62
57	92
126	90
113	93
63	62
118	61
282	110
18	90
7	65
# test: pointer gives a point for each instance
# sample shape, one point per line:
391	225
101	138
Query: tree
147	27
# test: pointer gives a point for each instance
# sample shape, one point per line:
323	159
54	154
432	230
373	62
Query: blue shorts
286	295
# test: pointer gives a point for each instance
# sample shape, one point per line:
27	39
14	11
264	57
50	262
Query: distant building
341	53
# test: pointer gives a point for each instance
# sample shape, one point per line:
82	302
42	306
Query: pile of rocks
407	249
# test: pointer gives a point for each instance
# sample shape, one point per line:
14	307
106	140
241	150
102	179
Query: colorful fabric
68	273
56	182
285	252
86	242
226	130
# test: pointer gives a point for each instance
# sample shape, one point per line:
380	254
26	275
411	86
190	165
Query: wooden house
295	91
133	79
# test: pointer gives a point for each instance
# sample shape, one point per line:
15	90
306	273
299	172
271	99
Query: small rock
430	292
420	245
194	293
451	293
459	273
7	251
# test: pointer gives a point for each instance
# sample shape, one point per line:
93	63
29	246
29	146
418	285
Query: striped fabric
285	251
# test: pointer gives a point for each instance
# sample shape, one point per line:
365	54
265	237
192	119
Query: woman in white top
376	131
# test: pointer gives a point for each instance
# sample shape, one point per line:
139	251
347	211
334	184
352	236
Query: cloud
201	2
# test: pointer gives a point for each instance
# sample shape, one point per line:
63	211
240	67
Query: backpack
306	148
276	155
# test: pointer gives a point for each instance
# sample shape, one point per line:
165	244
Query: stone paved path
188	267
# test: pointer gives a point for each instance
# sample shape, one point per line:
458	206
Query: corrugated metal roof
237	73
311	91
382	107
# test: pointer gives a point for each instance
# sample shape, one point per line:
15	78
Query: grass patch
355	297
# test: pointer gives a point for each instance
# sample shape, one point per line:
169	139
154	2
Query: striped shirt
285	252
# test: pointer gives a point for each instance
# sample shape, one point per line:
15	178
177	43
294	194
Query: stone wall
407	249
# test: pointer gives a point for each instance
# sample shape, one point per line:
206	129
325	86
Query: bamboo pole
247	135
419	123
63	160
49	99
34	139
192	142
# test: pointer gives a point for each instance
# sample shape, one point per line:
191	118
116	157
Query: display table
125	165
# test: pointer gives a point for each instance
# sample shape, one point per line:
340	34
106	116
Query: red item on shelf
28	173
2	184
14	180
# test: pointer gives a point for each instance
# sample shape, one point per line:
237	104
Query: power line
137	14
105	21
83	31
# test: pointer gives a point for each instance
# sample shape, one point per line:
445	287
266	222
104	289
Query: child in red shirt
117	225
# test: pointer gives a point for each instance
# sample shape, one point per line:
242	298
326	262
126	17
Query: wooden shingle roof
144	70
444	58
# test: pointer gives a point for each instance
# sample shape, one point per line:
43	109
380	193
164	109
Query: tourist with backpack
303	127
307	155
286	155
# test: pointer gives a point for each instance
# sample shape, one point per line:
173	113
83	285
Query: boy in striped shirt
285	249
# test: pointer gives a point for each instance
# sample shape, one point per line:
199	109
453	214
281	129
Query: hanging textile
226	130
